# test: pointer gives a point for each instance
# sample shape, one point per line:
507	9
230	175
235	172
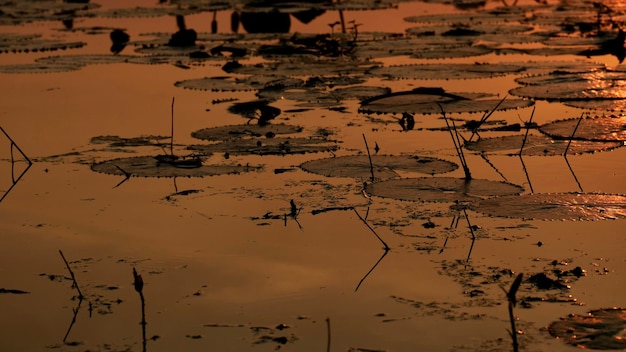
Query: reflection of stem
369	156
138	283
172	136
13	144
512	302
526	173
372	269
371	229
482	155
75	310
80	295
473	236
328	329
573	174
527	130
573	133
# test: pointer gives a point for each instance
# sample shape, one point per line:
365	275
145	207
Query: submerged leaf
556	206
601	329
149	166
441	189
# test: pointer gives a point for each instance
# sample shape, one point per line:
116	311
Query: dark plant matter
306	175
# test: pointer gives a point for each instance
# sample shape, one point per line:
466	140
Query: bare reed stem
573	133
369	156
80	294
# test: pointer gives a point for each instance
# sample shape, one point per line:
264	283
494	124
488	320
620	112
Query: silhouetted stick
328	330
80	295
126	176
527	130
457	144
371	229
573	174
573	133
172	139
369	156
138	283
372	269
526	173
485	117
15	180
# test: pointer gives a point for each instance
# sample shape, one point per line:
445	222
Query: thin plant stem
457	144
512	302
485	117
573	174
172	134
16	146
369	156
472	232
573	133
80	294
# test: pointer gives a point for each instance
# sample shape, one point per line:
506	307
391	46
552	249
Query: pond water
255	252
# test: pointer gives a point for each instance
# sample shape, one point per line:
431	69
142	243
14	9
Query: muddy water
224	267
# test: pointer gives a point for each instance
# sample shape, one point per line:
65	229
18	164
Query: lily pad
590	129
556	206
222	133
441	189
267	146
563	86
601	329
446	71
358	166
538	145
150	166
426	100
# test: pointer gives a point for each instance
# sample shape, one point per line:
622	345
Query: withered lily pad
591	129
427	100
223	133
151	166
358	166
537	145
441	189
601	329
268	146
556	206
304	68
217	84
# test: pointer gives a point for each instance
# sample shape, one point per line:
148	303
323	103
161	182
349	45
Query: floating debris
601	329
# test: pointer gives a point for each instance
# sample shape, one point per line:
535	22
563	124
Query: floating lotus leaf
450	52
358	166
601	105
428	101
83	60
563	86
223	133
601	329
17	12
327	67
267	146
470	29
446	71
116	141
218	84
556	206
590	129
18	43
538	145
428	46
441	189
150	166
38	68
151	12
